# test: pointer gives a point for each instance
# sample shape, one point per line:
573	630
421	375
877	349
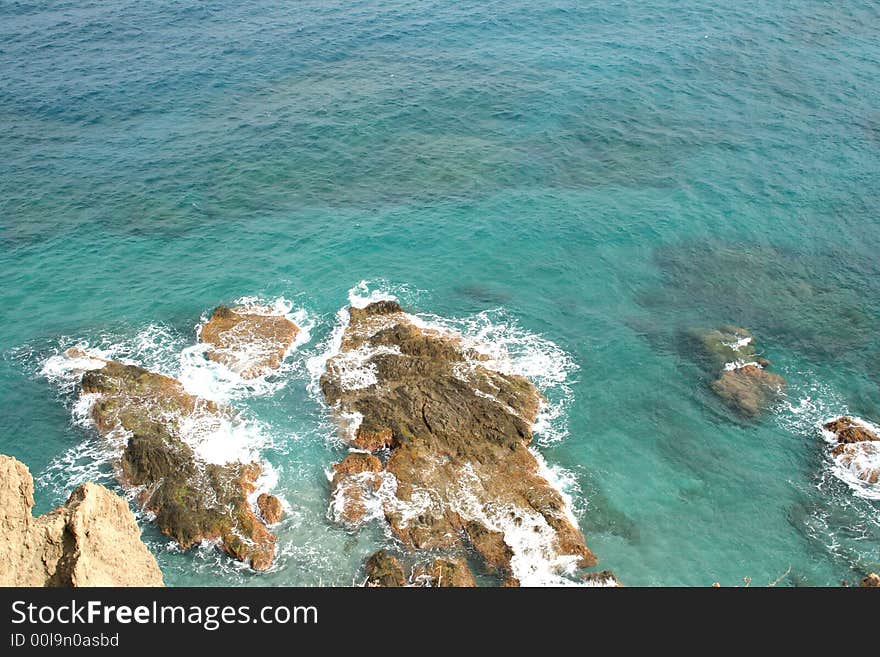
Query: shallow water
604	177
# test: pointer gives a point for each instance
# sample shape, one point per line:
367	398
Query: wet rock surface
249	342
450	468
193	500
857	447
92	540
385	570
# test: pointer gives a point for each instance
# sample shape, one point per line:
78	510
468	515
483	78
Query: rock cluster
92	540
857	448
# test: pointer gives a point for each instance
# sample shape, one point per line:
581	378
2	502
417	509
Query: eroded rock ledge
93	540
193	500
443	449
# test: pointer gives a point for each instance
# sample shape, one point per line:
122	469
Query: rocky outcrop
270	508
448	436
249	341
602	578
384	569
193	500
93	540
872	581
743	380
856	447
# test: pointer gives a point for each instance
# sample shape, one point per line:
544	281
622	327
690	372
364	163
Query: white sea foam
736	345
857	460
739	364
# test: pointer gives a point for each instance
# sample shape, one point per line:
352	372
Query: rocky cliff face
93	540
443	440
192	498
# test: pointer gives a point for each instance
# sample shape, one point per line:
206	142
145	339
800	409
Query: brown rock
872	581
246	341
749	389
490	546
848	430
384	569
858	457
451	572
857	448
192	500
458	435
354	479
743	381
604	578
93	540
270	508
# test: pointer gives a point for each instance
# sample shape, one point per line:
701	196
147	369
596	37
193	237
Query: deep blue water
603	175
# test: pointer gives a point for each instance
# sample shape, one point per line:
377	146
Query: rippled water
599	177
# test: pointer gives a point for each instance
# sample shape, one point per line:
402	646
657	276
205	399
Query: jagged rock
384	569
743	380
857	448
456	432
603	578
247	341
451	572
93	540
270	508
872	581
193	500
847	430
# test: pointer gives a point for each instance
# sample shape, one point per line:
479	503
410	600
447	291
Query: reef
743	379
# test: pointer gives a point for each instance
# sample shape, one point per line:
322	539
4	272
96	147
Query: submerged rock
743	380
193	499
249	342
856	448
93	540
453	435
384	569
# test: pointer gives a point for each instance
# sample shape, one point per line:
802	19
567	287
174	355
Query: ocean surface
579	183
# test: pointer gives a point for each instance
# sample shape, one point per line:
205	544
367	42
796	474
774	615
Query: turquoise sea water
585	181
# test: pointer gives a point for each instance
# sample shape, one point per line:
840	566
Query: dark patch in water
483	294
